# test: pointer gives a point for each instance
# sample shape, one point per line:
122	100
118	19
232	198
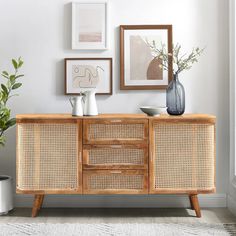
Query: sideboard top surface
163	117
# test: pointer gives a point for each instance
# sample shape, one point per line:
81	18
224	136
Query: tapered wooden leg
38	201
41	201
195	205
191	203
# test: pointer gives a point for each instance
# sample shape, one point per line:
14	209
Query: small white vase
6	198
90	104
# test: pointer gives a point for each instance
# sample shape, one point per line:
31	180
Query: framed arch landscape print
139	70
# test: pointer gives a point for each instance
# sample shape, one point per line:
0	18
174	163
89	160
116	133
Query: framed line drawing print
139	70
82	74
90	25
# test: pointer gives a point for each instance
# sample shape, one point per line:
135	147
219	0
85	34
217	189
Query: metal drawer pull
116	172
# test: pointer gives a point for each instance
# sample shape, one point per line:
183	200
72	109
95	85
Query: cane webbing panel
184	156
119	156
47	156
115	181
115	131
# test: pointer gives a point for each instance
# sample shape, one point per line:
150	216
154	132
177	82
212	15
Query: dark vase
175	97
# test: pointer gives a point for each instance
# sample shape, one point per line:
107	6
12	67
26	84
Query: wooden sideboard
115	154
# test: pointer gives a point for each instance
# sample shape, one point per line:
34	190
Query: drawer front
115	156
115	131
115	182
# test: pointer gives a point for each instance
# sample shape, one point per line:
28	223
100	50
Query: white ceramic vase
6	198
90	104
76	103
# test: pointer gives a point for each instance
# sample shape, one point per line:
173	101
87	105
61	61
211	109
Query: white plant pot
6	198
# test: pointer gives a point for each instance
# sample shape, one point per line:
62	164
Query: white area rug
152	229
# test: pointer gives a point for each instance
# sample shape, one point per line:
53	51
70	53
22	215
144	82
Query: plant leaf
17	85
18	76
14	63
2	140
10	123
6	76
5	73
20	63
12	78
4	88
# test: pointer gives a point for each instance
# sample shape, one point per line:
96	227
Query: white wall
232	178
40	32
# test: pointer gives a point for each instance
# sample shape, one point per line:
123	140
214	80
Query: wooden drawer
115	182
115	131
115	156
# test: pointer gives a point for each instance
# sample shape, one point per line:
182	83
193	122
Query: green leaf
2	140
6	76
18	76
5	73
12	78
17	85
4	88
14	63
3	97
20	63
10	122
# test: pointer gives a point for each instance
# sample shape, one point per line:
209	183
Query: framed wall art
90	25
82	74
139	70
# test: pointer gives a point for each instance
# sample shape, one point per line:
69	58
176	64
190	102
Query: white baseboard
119	201
231	203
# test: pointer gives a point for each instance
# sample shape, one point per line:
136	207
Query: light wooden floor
125	215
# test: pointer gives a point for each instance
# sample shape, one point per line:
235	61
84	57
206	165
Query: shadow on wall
60	78
67	32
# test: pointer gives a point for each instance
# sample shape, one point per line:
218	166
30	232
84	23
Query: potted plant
175	94
6	92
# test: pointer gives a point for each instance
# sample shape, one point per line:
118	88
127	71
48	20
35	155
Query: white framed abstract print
90	25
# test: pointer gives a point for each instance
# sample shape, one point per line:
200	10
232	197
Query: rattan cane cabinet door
115	131
49	157
182	157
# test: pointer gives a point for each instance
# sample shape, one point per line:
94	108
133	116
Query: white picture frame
90	25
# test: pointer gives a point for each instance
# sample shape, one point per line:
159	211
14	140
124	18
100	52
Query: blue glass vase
175	97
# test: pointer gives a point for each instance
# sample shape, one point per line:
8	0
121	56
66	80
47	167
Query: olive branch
180	61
